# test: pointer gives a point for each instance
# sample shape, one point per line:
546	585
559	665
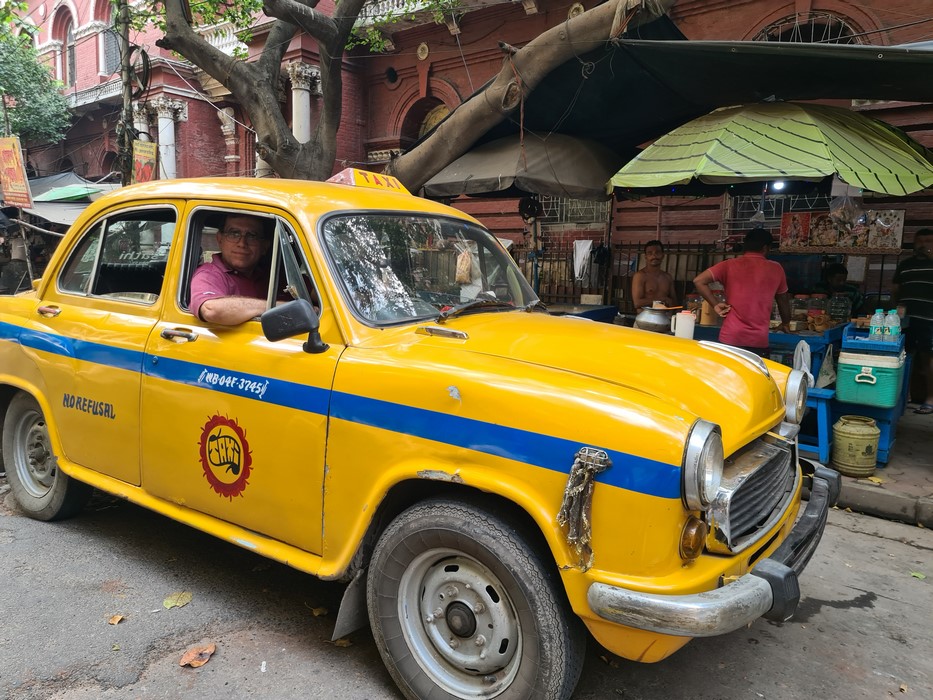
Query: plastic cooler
870	379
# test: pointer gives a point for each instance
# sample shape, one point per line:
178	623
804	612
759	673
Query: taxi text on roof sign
364	178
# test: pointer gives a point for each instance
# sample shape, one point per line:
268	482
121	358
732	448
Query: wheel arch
8	390
407	493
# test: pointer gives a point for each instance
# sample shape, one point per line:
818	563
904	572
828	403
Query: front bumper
771	590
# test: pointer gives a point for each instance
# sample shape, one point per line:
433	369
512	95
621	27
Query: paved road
864	630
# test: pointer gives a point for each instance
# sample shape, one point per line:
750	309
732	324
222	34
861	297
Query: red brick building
392	99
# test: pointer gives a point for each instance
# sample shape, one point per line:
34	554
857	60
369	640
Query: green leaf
177	600
917	574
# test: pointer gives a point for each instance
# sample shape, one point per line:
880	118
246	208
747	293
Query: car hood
696	379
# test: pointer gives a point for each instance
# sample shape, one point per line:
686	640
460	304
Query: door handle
179	335
49	311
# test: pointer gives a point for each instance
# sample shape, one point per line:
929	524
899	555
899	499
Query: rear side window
122	257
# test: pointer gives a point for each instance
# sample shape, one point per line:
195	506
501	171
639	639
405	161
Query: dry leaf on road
116	620
197	656
177	600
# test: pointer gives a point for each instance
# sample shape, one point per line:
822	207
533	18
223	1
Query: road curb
874	500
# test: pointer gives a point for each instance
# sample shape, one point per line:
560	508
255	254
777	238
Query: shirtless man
651	283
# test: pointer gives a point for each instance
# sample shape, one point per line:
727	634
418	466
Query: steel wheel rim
460	623
34	460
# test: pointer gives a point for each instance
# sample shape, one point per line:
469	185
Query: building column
141	121
306	80
228	129
169	111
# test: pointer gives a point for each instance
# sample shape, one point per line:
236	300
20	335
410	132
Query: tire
41	489
443	571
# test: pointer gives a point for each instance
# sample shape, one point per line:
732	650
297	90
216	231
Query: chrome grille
758	482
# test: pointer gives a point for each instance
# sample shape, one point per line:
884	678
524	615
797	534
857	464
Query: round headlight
795	396
702	469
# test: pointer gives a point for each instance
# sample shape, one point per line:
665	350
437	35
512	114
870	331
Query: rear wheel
461	607
40	488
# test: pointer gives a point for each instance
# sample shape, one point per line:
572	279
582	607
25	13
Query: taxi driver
231	288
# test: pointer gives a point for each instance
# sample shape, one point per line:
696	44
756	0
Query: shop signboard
13	174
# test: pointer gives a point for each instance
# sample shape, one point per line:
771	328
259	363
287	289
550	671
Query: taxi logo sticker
225	456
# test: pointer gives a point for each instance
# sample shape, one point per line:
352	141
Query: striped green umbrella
783	140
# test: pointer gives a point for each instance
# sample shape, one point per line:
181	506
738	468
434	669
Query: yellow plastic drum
855	446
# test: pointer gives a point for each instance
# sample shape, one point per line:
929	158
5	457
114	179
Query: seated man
231	288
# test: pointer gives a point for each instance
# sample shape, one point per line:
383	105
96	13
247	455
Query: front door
237	425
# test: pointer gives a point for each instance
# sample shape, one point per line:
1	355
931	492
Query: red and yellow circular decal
225	456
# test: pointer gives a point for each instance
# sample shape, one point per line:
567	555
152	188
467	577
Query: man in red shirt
751	283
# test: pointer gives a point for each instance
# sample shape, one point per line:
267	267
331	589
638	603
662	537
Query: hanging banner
145	157
13	175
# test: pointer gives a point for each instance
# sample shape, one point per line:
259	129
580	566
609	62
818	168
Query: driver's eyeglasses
234	235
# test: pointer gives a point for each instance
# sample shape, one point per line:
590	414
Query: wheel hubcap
35	463
460	624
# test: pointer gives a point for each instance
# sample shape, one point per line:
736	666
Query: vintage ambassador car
491	481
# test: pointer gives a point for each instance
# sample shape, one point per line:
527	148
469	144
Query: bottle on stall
816	305
840	308
876	327
892	327
799	307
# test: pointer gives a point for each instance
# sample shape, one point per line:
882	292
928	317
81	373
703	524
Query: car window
400	267
285	255
122	257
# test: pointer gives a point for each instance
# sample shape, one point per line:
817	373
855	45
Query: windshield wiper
474	304
536	305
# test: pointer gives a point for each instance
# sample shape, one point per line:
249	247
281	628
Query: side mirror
291	319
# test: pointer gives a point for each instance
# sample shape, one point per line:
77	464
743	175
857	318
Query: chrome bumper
771	590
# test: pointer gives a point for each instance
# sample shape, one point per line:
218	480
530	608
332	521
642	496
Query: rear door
96	316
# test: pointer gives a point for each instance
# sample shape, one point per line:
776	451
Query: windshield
402	267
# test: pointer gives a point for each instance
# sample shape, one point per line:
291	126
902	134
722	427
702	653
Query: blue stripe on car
630	472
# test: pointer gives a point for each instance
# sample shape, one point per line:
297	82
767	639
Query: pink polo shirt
751	282
215	279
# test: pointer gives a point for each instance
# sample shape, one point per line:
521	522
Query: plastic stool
820	443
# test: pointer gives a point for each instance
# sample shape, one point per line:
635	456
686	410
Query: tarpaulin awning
64	213
636	90
69	193
554	164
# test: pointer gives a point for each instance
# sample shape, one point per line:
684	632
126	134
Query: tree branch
521	73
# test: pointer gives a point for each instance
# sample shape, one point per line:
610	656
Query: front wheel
40	488
462	607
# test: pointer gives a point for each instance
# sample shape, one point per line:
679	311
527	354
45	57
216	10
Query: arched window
811	27
68	64
111	53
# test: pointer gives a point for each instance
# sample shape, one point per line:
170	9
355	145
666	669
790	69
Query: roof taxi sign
364	178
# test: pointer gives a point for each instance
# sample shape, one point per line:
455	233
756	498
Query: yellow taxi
491	481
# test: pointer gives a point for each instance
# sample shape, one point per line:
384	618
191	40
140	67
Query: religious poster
795	229
885	228
13	175
145	157
879	231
